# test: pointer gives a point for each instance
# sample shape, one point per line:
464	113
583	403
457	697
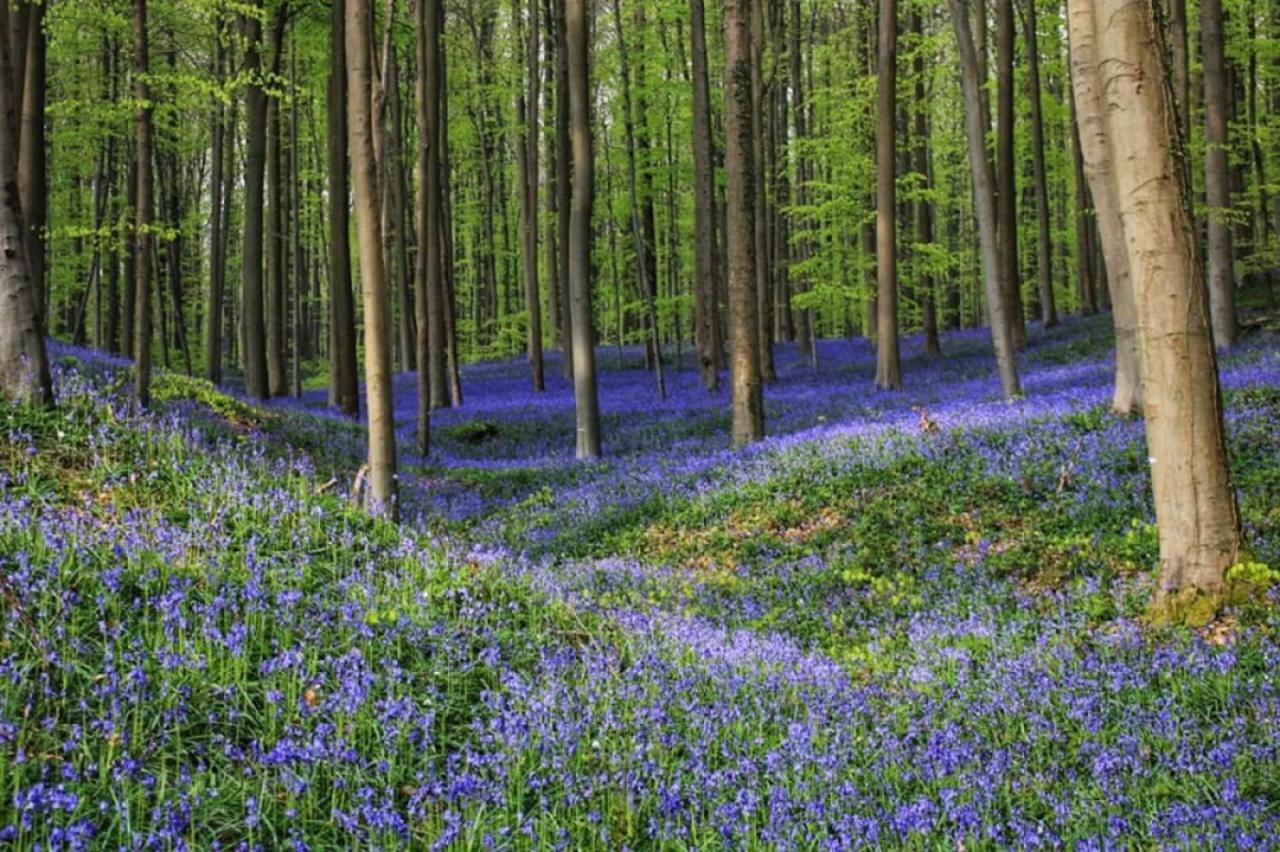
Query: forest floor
910	619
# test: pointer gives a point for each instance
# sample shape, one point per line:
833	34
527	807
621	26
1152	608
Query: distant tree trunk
1006	172
274	301
641	234
1180	68
984	202
252	307
298	252
805	320
1217	176
527	103
145	239
563	185
373	282
217	247
396	188
584	359
24	363
888	365
1195	500
740	175
705	269
429	273
1086	286
924	206
1091	103
1044	247
760	221
344	390
446	231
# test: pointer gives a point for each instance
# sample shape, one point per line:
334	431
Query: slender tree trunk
740	176
924	206
1006	172
641	234
528	102
344	391
1086	286
1217	176
984	202
429	280
1091	104
584	359
563	185
399	220
253	301
1194	497
888	364
274	302
373	281
446	231
145	239
1044	247
217	248
760	221
704	238
1180	67
799	109
33	183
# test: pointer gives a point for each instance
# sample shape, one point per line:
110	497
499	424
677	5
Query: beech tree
1194	498
373	282
888	366
144	239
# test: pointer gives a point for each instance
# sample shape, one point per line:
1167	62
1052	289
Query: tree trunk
1180	67
984	203
924	206
143	211
274	302
1044	247
704	237
253	301
33	182
740	244
217	247
1086	287
1217	177
344	390
563	186
1091	104
528	102
888	364
805	321
429	273
760	221
373	282
1006	173
584	358
1194	498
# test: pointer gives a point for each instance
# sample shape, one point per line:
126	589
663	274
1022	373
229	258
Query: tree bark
984	203
888	363
1006	173
143	211
1044	247
740	176
373	282
1090	104
924	213
527	103
344	390
251	272
33	179
217	247
704	237
273	294
584	359
429	273
760	221
1194	497
564	187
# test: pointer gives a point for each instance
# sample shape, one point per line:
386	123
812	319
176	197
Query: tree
1194	498
705	269
1006	172
344	391
217	245
527	155
1099	165
888	365
984	202
584	358
255	162
373	281
430	270
24	363
1044	246
145	240
1217	176
740	244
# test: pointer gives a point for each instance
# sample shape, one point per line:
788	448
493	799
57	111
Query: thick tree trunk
1194	498
1044	246
1091	104
344	390
888	364
373	281
143	210
740	243
984	203
1217	177
584	358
